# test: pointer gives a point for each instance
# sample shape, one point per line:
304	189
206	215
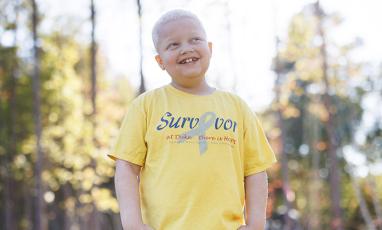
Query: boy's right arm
127	189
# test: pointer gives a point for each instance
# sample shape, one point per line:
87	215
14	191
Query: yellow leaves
301	202
321	146
301	29
319	110
50	180
309	69
20	161
85	198
86	185
63	175
301	36
105	169
56	131
70	142
290	112
28	146
70	203
284	99
88	176
53	117
104	200
76	160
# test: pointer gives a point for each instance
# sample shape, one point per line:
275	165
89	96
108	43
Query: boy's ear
159	61
210	46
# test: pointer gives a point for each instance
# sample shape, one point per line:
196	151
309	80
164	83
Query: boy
190	156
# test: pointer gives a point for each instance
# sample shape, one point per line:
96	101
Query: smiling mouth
188	60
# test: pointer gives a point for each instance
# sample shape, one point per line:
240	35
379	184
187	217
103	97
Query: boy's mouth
188	60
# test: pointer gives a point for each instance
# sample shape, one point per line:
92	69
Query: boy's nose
186	49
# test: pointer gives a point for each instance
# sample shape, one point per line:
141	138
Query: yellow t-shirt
195	152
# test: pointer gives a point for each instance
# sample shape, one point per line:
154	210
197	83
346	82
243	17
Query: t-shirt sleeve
130	144
258	154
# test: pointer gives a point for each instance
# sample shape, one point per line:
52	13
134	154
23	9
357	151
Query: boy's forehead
167	29
179	23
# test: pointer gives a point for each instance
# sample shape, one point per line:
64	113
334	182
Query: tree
93	53
37	119
93	65
142	87
307	78
76	176
335	180
8	64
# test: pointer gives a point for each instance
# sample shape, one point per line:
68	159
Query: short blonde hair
169	16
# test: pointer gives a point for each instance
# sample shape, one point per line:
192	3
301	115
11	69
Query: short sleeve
258	154
130	144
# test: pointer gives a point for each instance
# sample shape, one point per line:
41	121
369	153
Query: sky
242	55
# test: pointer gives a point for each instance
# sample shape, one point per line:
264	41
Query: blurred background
312	70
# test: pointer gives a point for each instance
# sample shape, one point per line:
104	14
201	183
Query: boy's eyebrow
167	41
194	34
199	37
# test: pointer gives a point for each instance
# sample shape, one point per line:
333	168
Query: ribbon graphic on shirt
206	121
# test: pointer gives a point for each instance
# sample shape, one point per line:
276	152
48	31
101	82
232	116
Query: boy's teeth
188	60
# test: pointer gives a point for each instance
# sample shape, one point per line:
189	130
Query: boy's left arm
256	195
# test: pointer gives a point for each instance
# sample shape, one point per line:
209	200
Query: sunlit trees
76	177
319	102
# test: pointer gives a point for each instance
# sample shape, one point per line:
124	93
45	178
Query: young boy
190	156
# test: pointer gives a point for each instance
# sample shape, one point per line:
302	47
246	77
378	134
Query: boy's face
183	50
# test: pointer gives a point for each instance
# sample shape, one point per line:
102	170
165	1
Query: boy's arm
256	194
127	189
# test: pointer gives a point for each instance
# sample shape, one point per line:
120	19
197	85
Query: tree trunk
142	87
376	203
284	158
94	219
93	53
38	220
4	163
334	177
362	204
8	202
315	186
28	200
67	217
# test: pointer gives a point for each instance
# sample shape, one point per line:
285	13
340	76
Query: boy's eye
172	45
196	39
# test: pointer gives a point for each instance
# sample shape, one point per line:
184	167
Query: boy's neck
201	88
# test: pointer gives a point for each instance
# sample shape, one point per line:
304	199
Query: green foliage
301	88
77	176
